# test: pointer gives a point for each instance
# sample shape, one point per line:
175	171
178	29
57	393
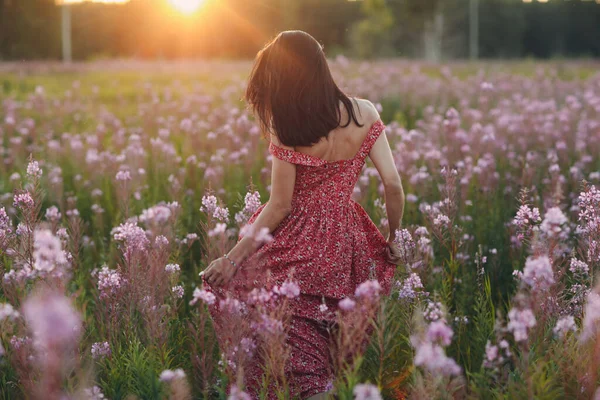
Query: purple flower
178	291
109	282
132	235
564	325
289	289
23	201
520	321
591	317
100	350
553	221
34	170
236	393
172	268
156	216
8	312
209	204
52	214
203	295
578	267
52	320
366	391
538	272
347	304
47	251
439	332
123	176
168	376
410	287
368	289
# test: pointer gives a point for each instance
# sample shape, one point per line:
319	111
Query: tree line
432	29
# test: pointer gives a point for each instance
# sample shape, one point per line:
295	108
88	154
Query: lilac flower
52	320
520	321
268	325
34	170
538	273
323	308
251	205
156	216
564	325
94	393
347	304
491	354
203	295
168	376
441	220
590	325
368	289
100	350
527	216
366	391
433	311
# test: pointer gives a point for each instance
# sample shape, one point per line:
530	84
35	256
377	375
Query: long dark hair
292	92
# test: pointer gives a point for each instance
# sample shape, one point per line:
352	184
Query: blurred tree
373	35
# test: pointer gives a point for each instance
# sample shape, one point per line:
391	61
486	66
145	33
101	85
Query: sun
186	6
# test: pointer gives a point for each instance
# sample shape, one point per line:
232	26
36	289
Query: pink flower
289	289
520	321
203	295
366	391
438	331
34	170
347	304
23	201
564	325
168	376
123	176
52	320
368	289
100	350
591	317
538	272
47	251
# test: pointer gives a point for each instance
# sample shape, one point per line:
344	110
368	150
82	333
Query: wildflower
553	221
132	235
94	393
209	204
368	289
405	243
123	176
289	289
323	308
491	352
47	251
178	291
538	272
236	393
219	229
433	358
161	241
23	201
100	350
578	267
168	376
52	320
410	287
157	215
564	325
527	216
268	325
172	268
520	321
263	235
109	282
203	295
347	304
34	170
590	325
366	391
439	331
52	214
441	220
8	312
433	311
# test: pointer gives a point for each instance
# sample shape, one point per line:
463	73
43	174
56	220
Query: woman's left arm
283	179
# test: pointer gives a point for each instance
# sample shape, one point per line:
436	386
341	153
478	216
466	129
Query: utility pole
473	29
66	33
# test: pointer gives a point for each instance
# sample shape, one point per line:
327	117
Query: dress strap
294	157
370	140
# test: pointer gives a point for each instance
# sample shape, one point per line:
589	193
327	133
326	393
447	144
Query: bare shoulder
275	140
367	113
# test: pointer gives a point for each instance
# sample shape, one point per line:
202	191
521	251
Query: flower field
121	181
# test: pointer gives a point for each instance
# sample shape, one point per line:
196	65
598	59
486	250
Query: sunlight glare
186	6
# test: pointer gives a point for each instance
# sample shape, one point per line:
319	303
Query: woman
320	139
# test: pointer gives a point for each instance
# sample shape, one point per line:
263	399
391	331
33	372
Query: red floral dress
330	245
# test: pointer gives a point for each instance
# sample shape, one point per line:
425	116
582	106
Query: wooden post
66	33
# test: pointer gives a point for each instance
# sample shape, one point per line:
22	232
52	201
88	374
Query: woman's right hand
393	254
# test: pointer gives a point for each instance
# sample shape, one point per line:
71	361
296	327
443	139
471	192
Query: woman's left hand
219	272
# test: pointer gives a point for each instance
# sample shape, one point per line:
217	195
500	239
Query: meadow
121	181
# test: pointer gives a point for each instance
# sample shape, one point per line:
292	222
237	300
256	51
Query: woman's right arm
382	157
